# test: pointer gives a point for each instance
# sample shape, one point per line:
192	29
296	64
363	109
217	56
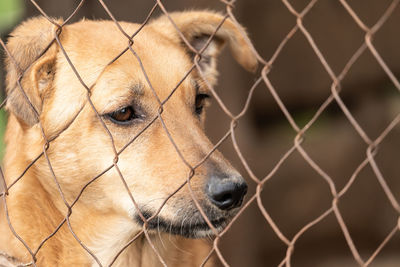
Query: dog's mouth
189	227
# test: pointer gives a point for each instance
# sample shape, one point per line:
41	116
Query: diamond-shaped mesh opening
330	254
336	34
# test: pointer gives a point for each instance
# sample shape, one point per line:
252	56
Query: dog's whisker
159	232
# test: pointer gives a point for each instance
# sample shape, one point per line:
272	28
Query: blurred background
295	194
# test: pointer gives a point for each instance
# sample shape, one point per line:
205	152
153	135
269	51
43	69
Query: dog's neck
104	234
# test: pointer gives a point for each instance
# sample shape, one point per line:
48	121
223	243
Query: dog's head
126	93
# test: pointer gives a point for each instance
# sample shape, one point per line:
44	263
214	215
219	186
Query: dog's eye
123	116
199	104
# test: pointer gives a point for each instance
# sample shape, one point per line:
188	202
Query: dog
68	115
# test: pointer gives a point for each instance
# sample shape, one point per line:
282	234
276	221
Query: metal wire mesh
261	77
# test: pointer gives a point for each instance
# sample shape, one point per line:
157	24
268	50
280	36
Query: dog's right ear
25	44
198	26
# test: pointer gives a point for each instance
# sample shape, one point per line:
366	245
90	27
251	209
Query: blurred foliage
11	11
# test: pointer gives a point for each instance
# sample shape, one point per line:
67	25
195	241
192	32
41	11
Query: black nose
226	193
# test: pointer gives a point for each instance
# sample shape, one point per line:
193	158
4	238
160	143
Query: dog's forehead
95	44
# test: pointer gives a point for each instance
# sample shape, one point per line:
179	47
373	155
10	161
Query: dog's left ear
198	26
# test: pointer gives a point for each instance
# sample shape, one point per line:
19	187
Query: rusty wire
262	77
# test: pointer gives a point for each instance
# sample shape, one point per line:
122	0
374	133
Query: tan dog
105	218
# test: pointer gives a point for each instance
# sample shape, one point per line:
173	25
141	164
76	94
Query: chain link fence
336	192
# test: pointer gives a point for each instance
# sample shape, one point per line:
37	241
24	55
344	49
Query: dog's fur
104	218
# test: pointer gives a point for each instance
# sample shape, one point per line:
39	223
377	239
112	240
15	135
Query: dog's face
154	155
